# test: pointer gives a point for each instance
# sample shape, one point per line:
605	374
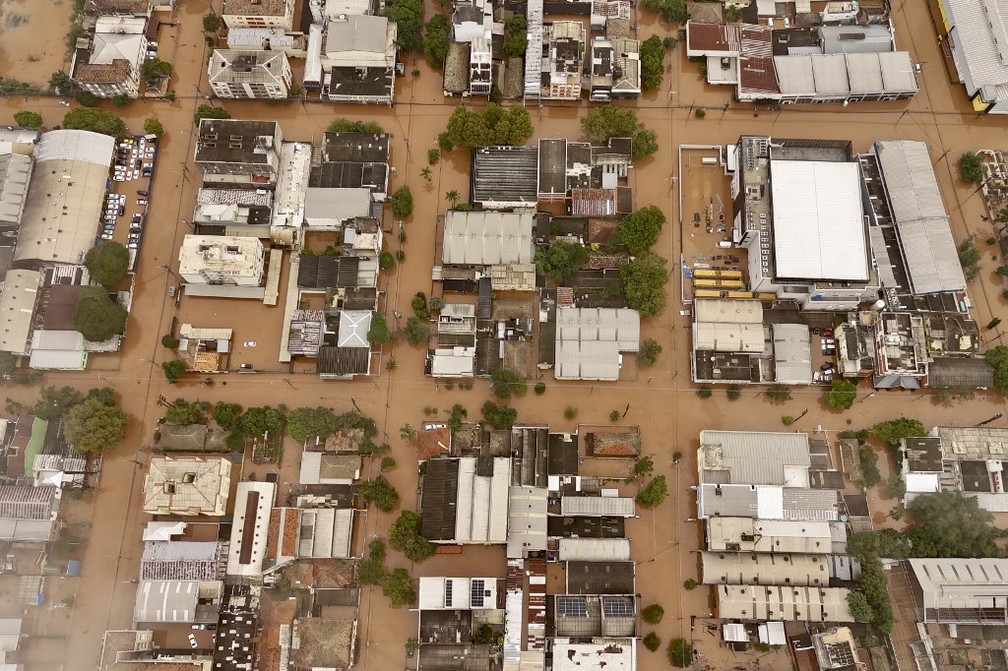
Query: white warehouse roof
818	221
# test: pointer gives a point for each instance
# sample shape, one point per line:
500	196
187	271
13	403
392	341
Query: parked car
250	343
142	192
131	245
192	642
141	201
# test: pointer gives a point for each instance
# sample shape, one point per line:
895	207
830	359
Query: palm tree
407	432
426	173
453	197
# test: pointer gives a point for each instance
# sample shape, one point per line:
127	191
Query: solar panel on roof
448	593
572	606
617	608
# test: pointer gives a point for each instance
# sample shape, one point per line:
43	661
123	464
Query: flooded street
661	400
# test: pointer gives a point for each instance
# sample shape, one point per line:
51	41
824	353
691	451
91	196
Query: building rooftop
17	308
220	254
187	486
589	342
254	8
960	373
181	560
588	577
818	221
768	502
745	534
249	529
487	238
246	66
324	642
176	601
527	520
594	549
754	458
595	654
985	55
505	175
65	197
922	224
966	590
736	568
236	141
790	604
441	593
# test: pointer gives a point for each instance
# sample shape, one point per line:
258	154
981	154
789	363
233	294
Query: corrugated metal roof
830	72
792	353
596	506
983	39
873	38
594	549
919	214
818	220
763	569
589	340
755	458
962	583
794	73
487	238
809	604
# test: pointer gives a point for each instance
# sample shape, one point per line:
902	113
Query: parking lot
128	197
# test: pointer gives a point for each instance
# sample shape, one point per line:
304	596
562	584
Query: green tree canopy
860	610
409	18
210	112
96	120
415	331
155	68
949	524
560	260
639	231
499	416
969	259
55	402
380	492
402	202
841	394
680	653
515	35
506	383
153	126
260	420
97	316
212	22
94	426
8	362
971	167
998	359
173	370
652	59
227	415
653	614
378	333
304	423
602	123
436	41
648	354
60	82
26	119
644	281
405	537
895	430
673	11
342	125
489	126
108	262
654	494
183	412
398	587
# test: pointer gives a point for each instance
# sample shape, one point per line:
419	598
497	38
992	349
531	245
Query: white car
192	641
250	343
